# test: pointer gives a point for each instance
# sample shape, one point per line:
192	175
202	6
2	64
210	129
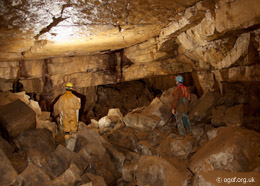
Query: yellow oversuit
68	106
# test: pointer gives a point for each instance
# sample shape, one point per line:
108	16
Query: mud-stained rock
178	148
159	109
98	158
167	97
203	109
70	177
7	173
37	144
16	117
116	156
31	176
228	115
96	180
220	177
6	147
58	161
234	149
154	171
144	122
124	137
47	124
129	170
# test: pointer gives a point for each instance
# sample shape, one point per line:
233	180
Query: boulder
178	148
115	115
16	117
105	123
154	171
6	147
167	97
70	177
58	161
37	144
228	115
159	109
124	138
7	173
144	122
144	148
234	149
234	115
32	176
47	124
203	109
116	156
9	97
129	170
97	156
220	177
96	180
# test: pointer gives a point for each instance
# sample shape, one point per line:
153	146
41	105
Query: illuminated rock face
90	43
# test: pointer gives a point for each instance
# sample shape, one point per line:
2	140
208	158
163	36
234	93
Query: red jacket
180	91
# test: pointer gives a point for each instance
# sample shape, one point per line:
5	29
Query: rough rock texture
159	109
153	171
177	148
145	122
97	156
37	144
236	152
229	116
32	175
203	109
7	173
16	117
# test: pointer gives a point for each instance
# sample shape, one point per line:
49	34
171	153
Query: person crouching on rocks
181	98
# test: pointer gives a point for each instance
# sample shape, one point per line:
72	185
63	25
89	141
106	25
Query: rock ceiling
33	29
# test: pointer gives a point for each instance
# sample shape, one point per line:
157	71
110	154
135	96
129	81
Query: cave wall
218	41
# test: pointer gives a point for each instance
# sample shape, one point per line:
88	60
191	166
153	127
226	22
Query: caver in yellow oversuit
67	107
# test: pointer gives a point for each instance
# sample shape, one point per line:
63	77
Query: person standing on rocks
67	107
181	98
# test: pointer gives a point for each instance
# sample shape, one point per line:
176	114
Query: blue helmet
179	79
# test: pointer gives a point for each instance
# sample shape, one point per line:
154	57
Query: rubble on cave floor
139	148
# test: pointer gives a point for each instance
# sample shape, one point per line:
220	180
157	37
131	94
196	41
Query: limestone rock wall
219	41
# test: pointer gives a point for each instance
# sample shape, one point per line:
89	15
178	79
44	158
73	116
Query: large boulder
233	149
178	148
16	117
167	97
37	144
97	156
7	173
220	177
9	97
124	137
144	122
228	115
58	161
32	176
96	180
6	147
203	109
70	177
154	171
159	109
113	117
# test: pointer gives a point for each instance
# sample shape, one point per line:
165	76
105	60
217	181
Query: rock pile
139	148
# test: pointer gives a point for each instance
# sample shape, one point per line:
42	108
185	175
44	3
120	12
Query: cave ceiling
38	29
